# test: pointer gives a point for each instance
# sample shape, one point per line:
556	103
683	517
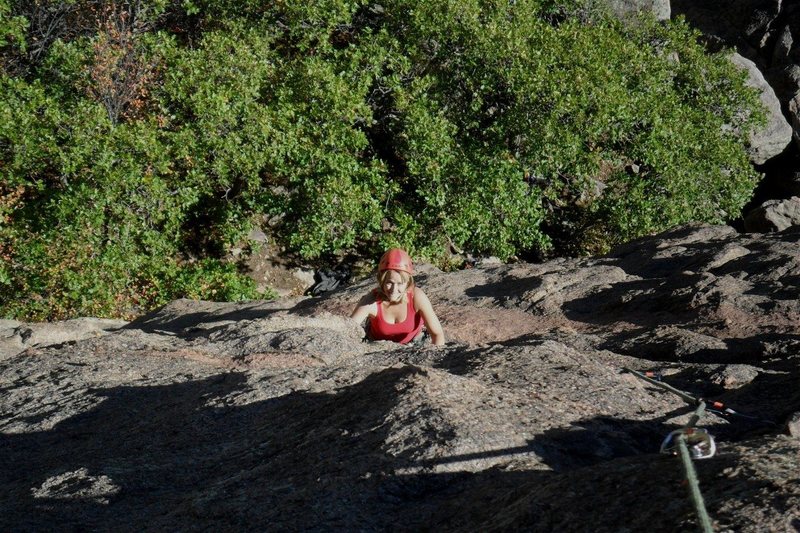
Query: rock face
15	337
767	33
773	138
254	416
774	215
749	24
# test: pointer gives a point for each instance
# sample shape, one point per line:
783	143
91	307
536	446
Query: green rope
686	458
691	473
696	415
686	397
694	486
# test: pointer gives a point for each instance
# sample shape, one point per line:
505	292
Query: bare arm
424	307
364	308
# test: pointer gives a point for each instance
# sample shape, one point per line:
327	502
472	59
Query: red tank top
402	332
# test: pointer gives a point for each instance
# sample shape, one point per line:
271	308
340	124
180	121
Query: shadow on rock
196	455
170	456
587	442
596	440
181	317
758	405
642	302
671	343
691	248
504	290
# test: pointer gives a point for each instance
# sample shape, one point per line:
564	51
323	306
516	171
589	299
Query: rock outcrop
771	140
275	415
15	336
774	215
767	33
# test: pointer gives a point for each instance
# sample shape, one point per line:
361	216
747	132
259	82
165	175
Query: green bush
135	151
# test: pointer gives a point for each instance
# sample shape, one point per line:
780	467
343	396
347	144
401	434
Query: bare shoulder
423	306
420	298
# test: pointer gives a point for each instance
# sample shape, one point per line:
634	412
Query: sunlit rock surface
277	416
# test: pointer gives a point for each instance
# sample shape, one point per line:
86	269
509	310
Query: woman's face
394	286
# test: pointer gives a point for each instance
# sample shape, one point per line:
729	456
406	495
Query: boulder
793	425
734	376
773	138
734	23
794	115
774	215
784	44
785	81
11	342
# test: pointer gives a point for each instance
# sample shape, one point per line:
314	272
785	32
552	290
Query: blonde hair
407	278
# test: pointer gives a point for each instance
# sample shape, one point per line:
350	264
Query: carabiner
699	441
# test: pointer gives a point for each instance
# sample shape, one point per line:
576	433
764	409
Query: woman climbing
397	309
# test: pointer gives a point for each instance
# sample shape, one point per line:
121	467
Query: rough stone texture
275	415
77	485
793	425
11	342
766	32
785	81
733	376
15	336
774	215
734	22
794	113
660	9
777	134
268	268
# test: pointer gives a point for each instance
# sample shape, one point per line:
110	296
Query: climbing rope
694	486
686	397
691	443
718	408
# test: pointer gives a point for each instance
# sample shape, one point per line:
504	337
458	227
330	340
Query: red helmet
396	259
